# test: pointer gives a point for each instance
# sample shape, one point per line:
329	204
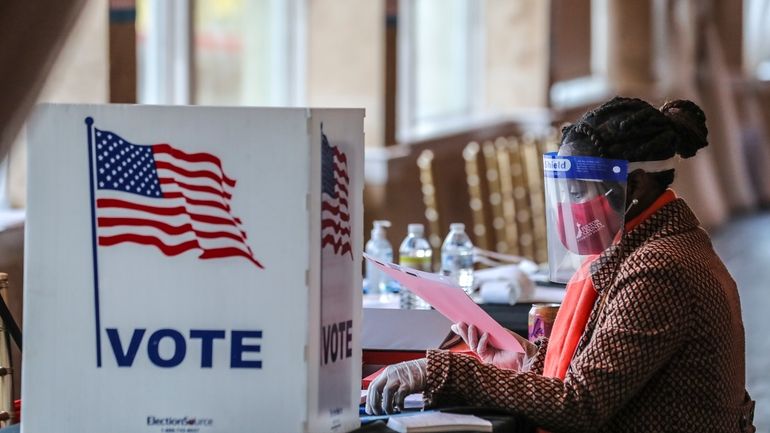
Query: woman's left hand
387	392
479	344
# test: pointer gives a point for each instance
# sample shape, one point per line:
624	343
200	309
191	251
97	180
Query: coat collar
673	218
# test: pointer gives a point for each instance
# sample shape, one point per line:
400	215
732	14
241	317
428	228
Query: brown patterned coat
663	349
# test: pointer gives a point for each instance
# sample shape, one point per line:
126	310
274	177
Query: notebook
438	422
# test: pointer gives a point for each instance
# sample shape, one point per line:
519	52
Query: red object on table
16	412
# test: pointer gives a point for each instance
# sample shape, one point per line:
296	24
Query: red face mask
594	226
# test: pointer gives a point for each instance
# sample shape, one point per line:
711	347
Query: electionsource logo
183	423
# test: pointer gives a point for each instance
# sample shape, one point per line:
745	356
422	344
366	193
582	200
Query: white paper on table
450	300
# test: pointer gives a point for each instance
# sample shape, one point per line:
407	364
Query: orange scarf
578	302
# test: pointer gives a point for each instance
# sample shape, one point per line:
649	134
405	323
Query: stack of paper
438	422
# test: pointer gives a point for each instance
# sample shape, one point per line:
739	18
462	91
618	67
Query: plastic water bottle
457	257
377	282
415	253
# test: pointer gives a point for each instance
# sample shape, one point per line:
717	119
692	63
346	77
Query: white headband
655	166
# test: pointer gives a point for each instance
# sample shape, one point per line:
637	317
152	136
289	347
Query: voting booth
193	269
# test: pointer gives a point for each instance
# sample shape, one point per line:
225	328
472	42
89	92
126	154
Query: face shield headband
585	199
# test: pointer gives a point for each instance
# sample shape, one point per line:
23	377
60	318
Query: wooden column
728	16
516	37
32	33
123	51
630	47
570	35
391	69
346	59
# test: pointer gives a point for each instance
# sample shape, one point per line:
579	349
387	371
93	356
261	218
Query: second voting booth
193	269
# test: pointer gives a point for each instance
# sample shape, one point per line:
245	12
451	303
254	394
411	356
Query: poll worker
649	336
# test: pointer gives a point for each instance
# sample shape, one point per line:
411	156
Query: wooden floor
744	246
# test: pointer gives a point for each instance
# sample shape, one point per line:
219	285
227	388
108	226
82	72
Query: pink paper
450	300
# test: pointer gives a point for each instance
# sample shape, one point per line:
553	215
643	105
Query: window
243	52
757	38
439	69
233	52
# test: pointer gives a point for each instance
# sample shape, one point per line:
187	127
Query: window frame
408	127
170	78
756	65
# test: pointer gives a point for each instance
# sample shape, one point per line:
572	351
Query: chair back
504	179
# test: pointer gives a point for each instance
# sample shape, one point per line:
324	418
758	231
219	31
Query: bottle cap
457	227
378	231
417	229
381	224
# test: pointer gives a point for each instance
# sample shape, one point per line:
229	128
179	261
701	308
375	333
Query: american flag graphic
335	213
163	197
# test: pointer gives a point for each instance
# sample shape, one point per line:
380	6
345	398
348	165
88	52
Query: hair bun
689	124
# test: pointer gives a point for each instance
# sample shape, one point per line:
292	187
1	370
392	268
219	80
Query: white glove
489	354
387	392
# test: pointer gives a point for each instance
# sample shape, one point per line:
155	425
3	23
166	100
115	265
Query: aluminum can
541	318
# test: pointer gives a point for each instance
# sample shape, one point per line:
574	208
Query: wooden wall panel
123	52
32	34
570	50
729	20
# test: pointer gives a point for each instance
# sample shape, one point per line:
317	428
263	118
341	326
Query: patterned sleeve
643	325
535	363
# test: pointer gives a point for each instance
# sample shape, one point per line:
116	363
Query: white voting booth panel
193	269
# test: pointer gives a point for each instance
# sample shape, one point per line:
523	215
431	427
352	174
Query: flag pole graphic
89	127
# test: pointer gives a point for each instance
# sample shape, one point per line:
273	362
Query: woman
652	341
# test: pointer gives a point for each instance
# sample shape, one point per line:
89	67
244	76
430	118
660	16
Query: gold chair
472	170
6	370
504	178
428	187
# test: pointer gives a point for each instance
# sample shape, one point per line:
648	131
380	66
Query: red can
541	318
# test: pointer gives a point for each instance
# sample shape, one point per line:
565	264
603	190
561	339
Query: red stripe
169	250
215	235
341	156
335	210
212	219
166	228
196	188
196	202
115	203
342	174
187	173
219	253
193	157
166	211
218	205
338	228
339	246
343	188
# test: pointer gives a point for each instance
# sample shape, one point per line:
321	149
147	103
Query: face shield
584	199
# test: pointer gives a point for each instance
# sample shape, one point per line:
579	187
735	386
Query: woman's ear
634	180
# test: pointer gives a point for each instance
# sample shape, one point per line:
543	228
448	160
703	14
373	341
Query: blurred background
433	75
461	96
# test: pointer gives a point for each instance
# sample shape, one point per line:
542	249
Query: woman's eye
575	195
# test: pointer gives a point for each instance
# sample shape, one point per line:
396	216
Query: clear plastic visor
585	216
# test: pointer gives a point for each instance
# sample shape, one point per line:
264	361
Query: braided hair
632	129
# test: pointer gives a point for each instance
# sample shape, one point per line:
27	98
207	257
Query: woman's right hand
479	344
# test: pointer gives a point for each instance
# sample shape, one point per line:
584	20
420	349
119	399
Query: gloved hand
387	392
488	353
